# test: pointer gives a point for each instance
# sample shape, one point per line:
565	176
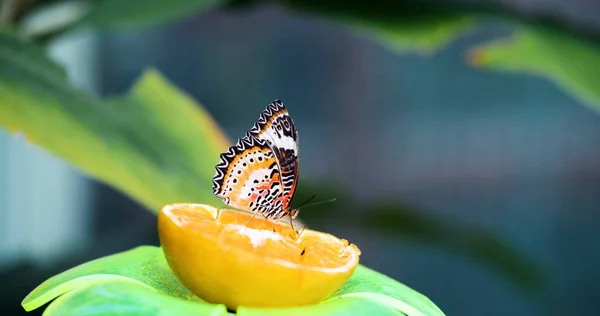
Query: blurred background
478	189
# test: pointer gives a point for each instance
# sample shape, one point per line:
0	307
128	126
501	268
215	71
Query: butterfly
260	172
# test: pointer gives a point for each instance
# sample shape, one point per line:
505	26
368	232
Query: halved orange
223	258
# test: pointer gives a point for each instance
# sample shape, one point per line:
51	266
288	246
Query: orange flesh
225	257
308	249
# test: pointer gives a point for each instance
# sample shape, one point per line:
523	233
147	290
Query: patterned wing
276	127
248	178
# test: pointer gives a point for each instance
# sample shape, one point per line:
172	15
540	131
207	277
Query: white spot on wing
284	141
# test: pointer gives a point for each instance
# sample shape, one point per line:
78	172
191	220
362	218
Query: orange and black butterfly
260	172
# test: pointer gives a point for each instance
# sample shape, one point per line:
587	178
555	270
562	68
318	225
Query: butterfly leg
251	218
280	219
297	233
276	224
300	233
292	223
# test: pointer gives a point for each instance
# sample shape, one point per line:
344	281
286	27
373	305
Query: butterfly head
294	212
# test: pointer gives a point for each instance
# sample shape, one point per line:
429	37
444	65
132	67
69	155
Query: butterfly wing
248	177
276	127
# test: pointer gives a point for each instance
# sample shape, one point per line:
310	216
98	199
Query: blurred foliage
541	46
156	144
140	282
142	13
402	25
423	35
406	223
571	63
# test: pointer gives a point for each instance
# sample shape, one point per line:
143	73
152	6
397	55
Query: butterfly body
260	172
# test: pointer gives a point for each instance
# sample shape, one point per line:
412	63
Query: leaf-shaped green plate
124	297
156	144
146	265
139	282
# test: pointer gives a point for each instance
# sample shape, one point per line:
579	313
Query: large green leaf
143	13
402	25
139	282
155	144
424	35
570	62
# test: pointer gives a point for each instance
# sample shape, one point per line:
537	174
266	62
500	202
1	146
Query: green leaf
407	223
401	25
424	35
570	62
139	282
155	144
144	13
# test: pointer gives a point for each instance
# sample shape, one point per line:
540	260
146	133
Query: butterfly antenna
309	199
320	202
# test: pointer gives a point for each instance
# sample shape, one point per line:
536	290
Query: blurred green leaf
155	144
490	250
139	282
424	35
144	13
570	62
541	47
402	25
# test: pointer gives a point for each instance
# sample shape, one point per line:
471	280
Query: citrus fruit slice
224	257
